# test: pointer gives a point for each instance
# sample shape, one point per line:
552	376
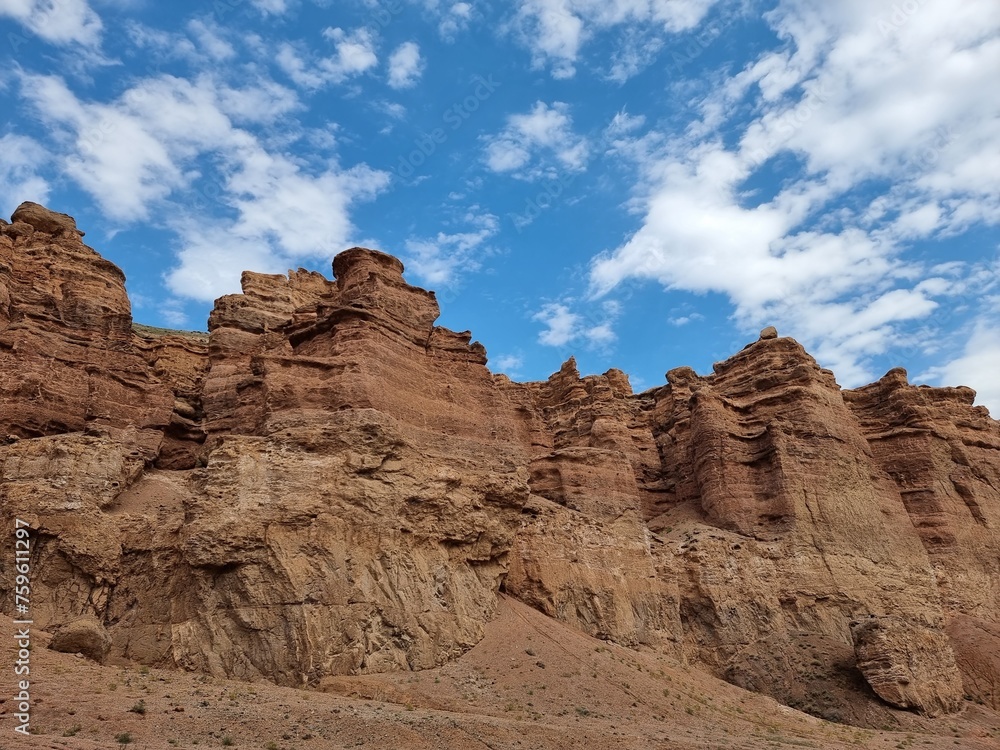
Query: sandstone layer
328	483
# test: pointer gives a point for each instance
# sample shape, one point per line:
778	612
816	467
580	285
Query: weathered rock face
784	526
908	665
84	635
329	483
583	553
943	454
66	355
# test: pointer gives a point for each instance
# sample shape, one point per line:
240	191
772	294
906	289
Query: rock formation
907	664
84	635
328	483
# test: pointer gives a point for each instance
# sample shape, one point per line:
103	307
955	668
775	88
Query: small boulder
44	220
84	635
908	664
769	333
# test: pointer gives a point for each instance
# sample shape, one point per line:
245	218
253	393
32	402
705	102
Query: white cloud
132	153
635	53
21	158
440	261
452	17
545	131
167	151
210	40
405	66
623	123
393	110
455	19
978	366
211	259
509	364
271	7
166	45
284	216
563	326
295	67
852	106
683	320
556	30
303	214
553	32
56	21
261	102
354	54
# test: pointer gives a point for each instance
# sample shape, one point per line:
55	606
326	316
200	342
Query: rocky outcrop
41	219
908	664
66	354
943	455
329	483
84	635
784	527
583	552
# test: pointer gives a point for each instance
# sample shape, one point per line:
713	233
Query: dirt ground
531	683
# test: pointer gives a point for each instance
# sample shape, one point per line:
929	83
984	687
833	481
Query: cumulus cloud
561	324
284	215
977	366
851	102
405	66
534	141
238	203
132	152
556	30
21	160
455	19
354	54
564	326
509	364
59	22
441	260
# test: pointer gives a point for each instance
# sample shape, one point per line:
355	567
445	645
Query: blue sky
641	183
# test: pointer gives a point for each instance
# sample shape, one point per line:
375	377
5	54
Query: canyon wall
328	483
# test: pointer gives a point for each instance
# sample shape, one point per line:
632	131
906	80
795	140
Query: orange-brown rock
66	354
329	483
943	454
583	553
908	664
784	526
84	635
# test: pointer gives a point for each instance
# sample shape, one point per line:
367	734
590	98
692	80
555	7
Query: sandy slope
531	683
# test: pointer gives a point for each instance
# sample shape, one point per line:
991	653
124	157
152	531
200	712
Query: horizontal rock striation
329	483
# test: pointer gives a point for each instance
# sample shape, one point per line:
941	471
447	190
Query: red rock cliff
329	483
